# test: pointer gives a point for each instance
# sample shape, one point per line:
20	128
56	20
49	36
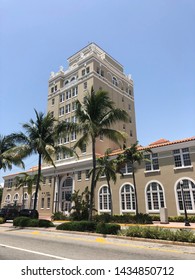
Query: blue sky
153	39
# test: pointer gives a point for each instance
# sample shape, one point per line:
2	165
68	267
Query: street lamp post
184	204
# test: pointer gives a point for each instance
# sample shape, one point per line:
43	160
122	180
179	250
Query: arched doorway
66	193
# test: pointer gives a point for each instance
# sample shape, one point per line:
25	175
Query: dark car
29	213
9	213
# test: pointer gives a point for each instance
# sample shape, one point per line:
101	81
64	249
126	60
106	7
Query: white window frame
190	194
132	199
67	108
181	153
160	196
104	199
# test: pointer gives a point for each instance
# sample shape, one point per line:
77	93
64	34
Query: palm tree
132	156
96	114
40	138
107	167
9	153
26	180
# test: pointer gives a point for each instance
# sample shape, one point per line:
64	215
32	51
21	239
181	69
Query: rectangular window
62	97
131	133
42	202
74	91
127	169
61	111
66	139
87	70
73	136
9	183
74	119
182	157
79	175
87	174
50	180
52	101
68	94
85	85
74	106
151	162
67	108
48	203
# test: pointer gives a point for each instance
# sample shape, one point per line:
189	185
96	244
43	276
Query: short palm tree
107	167
26	180
96	115
9	153
40	138
132	156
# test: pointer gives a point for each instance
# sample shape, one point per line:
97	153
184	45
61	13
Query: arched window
127	198
8	199
66	193
25	200
16	199
73	79
32	201
155	196
114	81
104	199
66	82
189	195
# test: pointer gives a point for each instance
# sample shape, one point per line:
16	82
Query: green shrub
185	236
58	216
141	218
159	233
33	223
2	220
28	222
78	226
107	228
45	223
103	218
21	221
126	218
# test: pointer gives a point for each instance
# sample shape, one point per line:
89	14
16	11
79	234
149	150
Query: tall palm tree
9	153
96	115
133	156
107	167
40	138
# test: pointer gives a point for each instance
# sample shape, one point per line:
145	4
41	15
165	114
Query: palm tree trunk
109	189
135	188
38	182
93	183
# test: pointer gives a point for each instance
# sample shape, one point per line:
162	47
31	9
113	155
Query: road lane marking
33	252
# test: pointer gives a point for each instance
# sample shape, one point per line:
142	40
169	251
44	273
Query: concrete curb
106	236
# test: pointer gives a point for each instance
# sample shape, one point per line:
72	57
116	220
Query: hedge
90	227
126	218
78	226
107	228
28	222
160	233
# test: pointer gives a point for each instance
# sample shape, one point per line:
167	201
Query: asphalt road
36	244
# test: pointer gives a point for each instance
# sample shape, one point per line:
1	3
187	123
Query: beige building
158	181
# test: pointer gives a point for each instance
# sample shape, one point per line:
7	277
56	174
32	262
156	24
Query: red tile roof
159	143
